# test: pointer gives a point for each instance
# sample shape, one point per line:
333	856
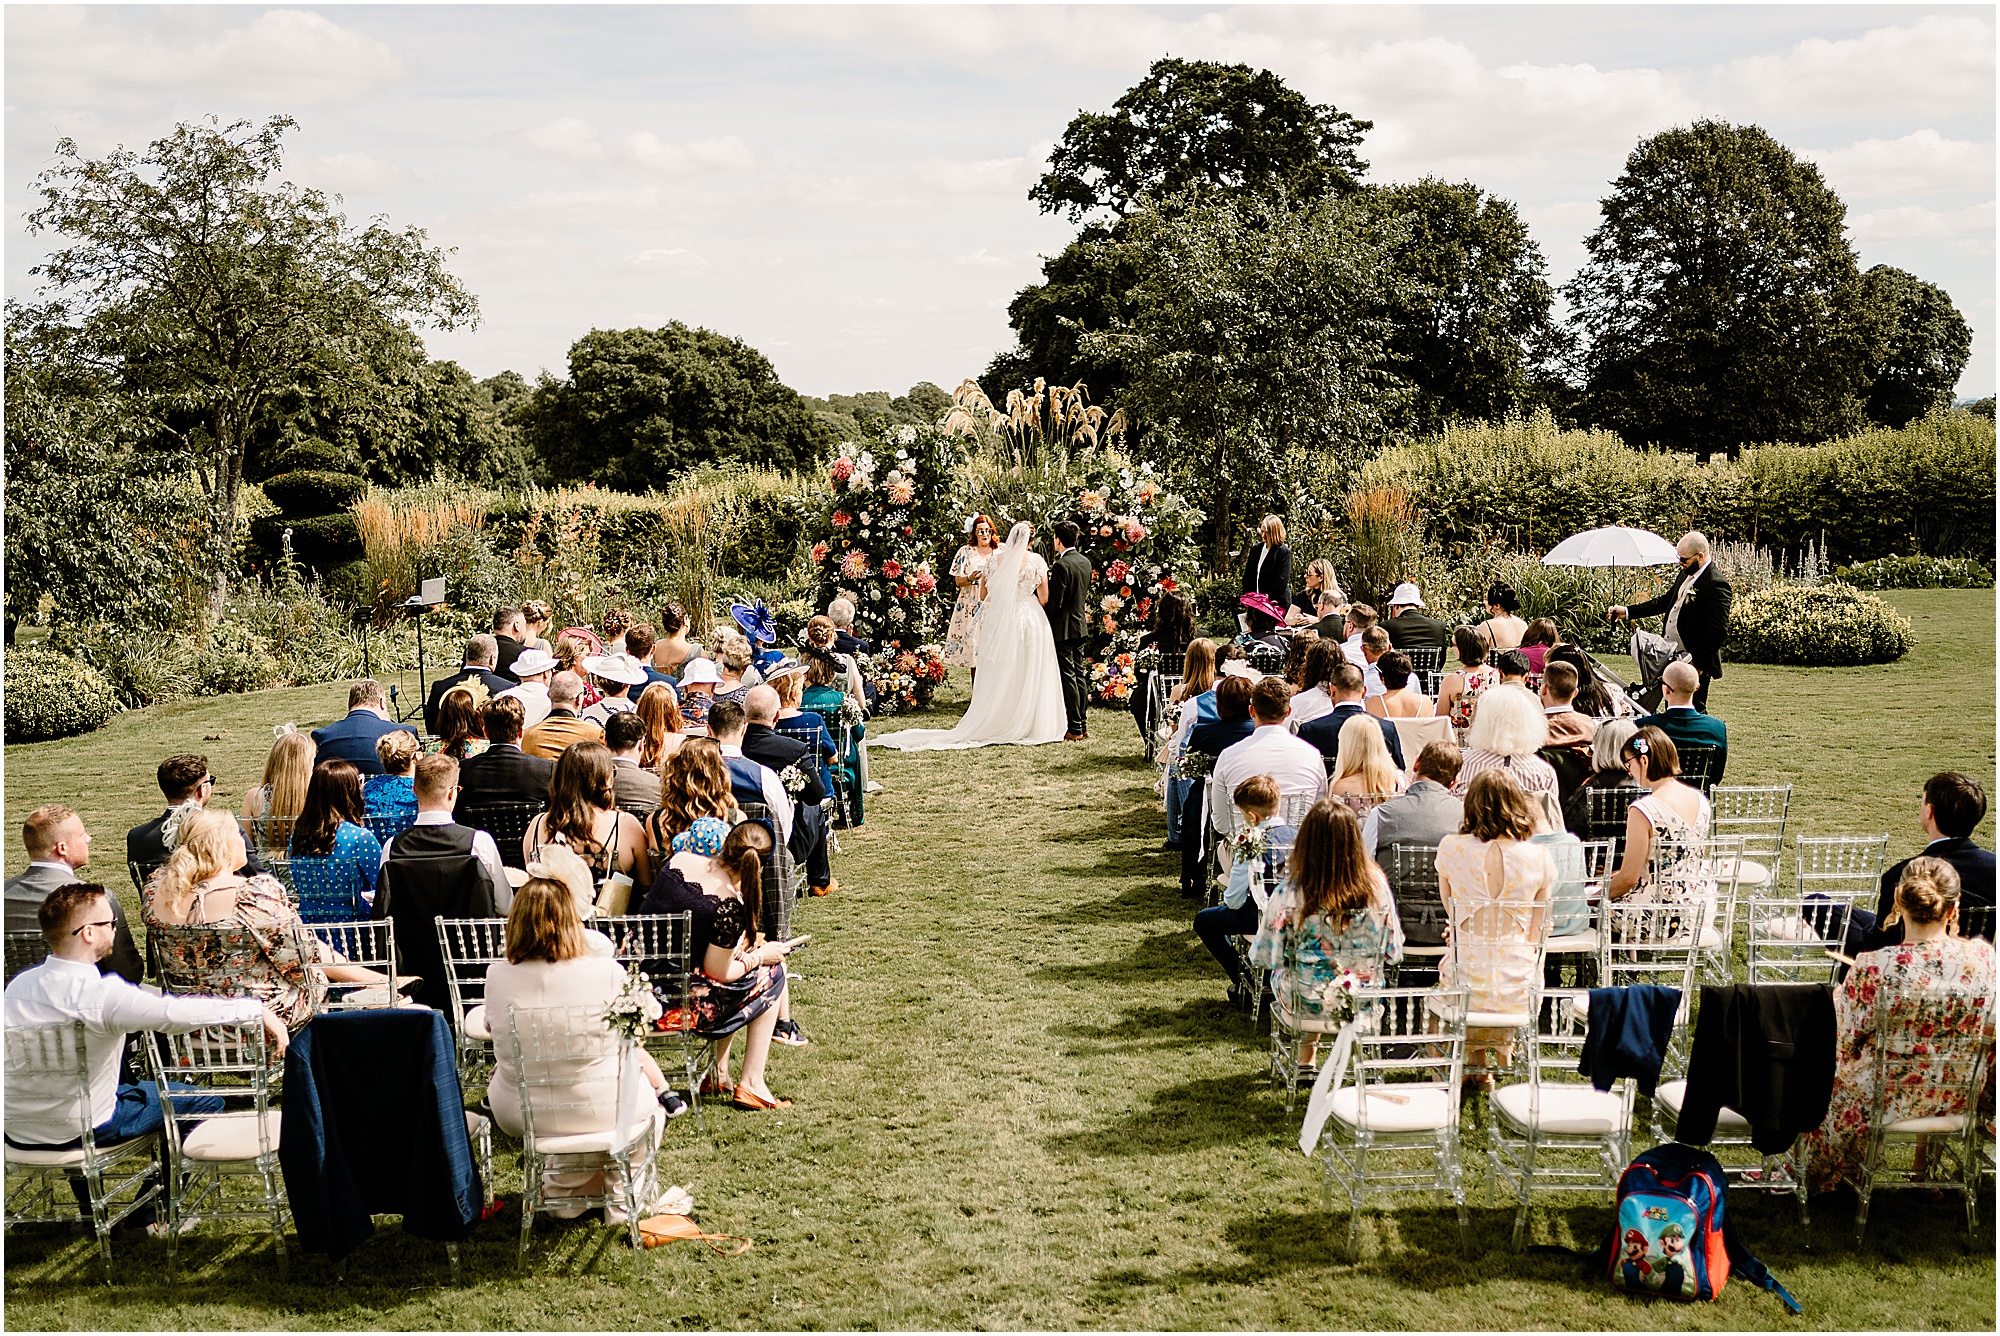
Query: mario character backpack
1672	1238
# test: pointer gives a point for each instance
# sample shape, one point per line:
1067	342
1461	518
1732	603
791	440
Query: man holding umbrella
1697	609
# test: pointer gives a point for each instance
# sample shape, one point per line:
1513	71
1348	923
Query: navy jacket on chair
353	739
374	1124
1324	732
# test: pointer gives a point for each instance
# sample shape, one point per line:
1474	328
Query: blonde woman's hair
1364	753
1508	720
398	751
543	924
1272	530
733	651
1329	583
209	844
288	770
1927	893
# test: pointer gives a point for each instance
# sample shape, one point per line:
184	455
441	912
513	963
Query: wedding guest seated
788	679
1359	618
659	715
575	645
841	613
1271	749
637	788
197	888
1334	907
1363	771
1952	808
1232	722
672	649
510	634
1320	582
549	964
1607	759
828	667
584	816
77	925
1209	739
735	660
58	846
534	668
461	726
1374	644
287	771
715	875
1506	734
617	678
564	724
1424	813
482	652
390	794
332	846
1512	666
774	751
749	782
694	784
503	773
1932	977
352	739
1669	808
1679	719
1567	728
1324	732
1196	692
1459	692
698	681
1171	632
1257	800
1409	627
1536	642
1502	629
536	618
187	784
1592	700
1400	698
1314	697
1491	872
436	787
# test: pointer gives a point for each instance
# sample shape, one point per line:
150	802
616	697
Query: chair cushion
1711	939
600	1143
1572	942
1942	1125
44	1159
1496	1020
1575	1110
474	1026
1672	1094
475	1124
1303	1024
1429	1109
1750	873
231	1136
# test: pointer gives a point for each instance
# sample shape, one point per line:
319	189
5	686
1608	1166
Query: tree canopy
1721	303
1923	346
642	406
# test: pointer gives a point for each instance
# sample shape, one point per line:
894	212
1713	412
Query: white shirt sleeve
487	852
129	1008
777	799
1371	830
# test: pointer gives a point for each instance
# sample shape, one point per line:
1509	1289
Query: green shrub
141	670
50	695
231	658
1817	626
1917	573
351	584
314	491
321	541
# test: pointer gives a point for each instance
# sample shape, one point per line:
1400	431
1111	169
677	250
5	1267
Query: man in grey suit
1069	621
57	846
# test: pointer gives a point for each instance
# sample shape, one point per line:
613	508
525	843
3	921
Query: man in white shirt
1374	644
436	787
43	1110
534	667
1359	618
726	722
1272	749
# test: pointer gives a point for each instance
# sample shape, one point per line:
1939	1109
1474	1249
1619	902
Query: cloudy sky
845	188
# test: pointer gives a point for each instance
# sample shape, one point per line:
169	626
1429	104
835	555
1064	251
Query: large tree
642	406
1469	322
1257	332
1721	303
203	291
1924	346
1191	131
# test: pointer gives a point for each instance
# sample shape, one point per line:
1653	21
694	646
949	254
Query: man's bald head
760	704
1681	681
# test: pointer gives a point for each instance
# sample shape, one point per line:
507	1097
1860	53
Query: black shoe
1173	846
673	1104
787	1033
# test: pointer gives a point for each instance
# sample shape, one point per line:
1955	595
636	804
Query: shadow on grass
1200	1023
1176	954
1194	1115
1157	899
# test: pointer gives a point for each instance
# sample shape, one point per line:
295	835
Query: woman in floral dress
1932	983
1458	692
1671	811
961	639
1336	904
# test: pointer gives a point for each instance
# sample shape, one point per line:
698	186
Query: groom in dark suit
1069	621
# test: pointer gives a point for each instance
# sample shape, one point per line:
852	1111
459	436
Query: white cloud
346	172
1969	229
989	176
1918	163
723	153
566	137
1939	64
981	259
103	56
674	260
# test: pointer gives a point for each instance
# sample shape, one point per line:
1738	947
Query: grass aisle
1025	1104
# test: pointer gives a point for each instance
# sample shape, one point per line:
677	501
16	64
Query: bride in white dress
1018	696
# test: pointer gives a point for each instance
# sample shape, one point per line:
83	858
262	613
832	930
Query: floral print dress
1476	681
261	959
1686	879
1370	941
961	638
1914	991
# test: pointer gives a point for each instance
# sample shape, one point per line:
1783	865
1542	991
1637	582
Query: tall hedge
1927	487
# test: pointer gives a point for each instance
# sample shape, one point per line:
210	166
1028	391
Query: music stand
429	594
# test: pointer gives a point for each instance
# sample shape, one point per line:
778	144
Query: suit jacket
1212	736
1274	581
550	738
1569	728
637	791
1693	726
24	896
503	665
1766	1051
1704	620
768	747
503	773
1975	885
353	739
146	844
1412	629
1069	596
846	642
495	684
1324	732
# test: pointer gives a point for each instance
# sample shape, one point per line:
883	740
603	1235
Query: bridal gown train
1017	697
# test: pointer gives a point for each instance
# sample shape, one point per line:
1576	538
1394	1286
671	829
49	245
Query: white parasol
1615	545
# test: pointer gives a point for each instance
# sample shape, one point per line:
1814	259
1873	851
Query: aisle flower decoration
1139	538
888	509
905	680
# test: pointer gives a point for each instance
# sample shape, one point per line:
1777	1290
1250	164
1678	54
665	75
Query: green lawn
1026	1105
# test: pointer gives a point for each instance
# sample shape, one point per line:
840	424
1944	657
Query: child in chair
1256	852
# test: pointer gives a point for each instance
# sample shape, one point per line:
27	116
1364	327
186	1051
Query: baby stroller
1652	653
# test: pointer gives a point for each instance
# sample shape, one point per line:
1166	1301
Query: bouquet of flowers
905	679
1138	538
1194	764
636	1011
1248	844
1339	998
794	779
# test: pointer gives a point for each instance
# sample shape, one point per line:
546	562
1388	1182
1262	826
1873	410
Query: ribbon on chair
1332	1075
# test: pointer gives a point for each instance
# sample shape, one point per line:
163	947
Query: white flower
906	435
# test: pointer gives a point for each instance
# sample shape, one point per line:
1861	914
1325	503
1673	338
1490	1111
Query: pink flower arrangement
841	519
1092	502
1110	625
1117	570
902	492
1103	531
854	565
926	582
1111	603
1134	531
843	469
818	553
1148	492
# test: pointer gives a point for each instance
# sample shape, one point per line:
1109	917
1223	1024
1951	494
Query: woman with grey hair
1608	771
1507	732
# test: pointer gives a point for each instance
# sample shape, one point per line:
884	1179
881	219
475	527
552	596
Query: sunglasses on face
77	931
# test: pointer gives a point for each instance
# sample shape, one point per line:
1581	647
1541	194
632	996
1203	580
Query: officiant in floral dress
961	640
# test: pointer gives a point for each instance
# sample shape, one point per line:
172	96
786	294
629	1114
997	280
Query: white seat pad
1575	941
475	1026
232	1136
1574	1110
1496	1020
1428	1108
1728	1123
44	1159
1306	1023
1942	1125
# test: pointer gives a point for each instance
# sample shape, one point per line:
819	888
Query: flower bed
905	680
